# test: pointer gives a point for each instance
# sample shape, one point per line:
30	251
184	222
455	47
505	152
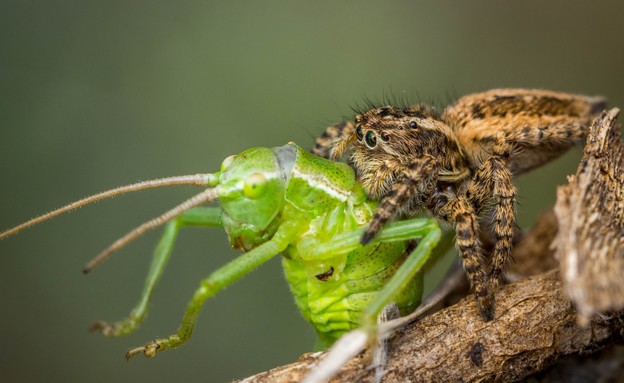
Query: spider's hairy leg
418	172
562	130
461	212
539	142
493	180
334	137
541	124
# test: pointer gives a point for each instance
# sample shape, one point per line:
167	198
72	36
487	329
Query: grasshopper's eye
358	133
385	137
226	162
254	185
370	139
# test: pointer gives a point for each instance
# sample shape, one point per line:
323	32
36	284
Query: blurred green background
98	95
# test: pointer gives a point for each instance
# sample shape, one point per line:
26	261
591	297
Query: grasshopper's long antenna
203	197
196	179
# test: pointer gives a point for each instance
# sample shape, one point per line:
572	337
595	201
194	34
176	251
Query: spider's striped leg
418	172
493	180
333	140
462	213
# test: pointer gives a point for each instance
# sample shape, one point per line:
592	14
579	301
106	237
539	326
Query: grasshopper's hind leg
426	230
412	265
208	216
352	343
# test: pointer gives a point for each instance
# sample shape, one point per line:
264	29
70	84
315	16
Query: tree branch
535	325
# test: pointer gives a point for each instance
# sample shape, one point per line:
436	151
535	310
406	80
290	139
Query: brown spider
459	164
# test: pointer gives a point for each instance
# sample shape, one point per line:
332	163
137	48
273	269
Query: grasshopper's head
250	187
251	191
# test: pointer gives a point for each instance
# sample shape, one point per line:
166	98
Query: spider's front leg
419	172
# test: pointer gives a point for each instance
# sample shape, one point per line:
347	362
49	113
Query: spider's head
383	140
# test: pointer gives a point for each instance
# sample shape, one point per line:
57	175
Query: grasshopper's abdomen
334	300
332	290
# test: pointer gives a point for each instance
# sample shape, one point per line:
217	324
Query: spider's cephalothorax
459	163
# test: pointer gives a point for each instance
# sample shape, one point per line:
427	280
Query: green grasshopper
284	200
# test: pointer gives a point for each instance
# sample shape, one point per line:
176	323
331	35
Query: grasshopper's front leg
207	216
210	286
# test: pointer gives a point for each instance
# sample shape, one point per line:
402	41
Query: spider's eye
254	185
358	132
413	124
385	137
370	139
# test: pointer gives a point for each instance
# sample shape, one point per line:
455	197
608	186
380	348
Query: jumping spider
459	164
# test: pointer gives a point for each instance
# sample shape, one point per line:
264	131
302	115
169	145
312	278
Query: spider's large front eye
370	139
358	133
254	185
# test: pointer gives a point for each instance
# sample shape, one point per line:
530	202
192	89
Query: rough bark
590	211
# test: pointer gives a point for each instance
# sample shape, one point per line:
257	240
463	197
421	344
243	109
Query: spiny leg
325	142
210	286
494	180
421	170
194	217
413	263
